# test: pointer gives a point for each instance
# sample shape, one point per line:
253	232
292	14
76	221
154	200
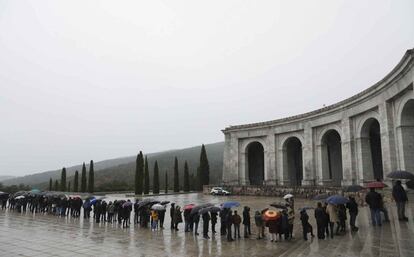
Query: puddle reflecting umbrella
375	184
400	174
337	199
354	188
230	204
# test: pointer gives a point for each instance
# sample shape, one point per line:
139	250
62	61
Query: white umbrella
19	197
158	207
287	196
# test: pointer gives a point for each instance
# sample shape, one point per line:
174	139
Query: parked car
219	191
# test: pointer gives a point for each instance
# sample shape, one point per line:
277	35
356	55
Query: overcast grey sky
82	80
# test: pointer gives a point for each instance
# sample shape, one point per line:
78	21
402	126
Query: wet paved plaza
45	235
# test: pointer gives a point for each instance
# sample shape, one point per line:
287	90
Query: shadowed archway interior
371	150
332	158
407	133
293	160
255	158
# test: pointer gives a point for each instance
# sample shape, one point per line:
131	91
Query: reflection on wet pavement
45	235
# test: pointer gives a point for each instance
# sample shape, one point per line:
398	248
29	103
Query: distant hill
122	170
5	177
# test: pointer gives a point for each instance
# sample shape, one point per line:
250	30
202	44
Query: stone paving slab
46	235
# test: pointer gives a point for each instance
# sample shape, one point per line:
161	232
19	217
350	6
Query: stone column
308	158
270	159
346	148
230	160
389	157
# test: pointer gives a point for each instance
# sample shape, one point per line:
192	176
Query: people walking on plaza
332	211
258	220
213	222
401	199
306	226
320	221
206	220
246	222
374	200
236	224
352	207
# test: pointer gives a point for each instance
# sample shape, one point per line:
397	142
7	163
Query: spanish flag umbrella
271	215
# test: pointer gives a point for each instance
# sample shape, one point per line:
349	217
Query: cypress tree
139	173
192	185
50	184
156	180
76	182
186	178
83	179
203	170
91	180
68	186
146	177
56	185
176	178
166	182
63	180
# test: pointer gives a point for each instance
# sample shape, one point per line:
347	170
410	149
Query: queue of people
331	218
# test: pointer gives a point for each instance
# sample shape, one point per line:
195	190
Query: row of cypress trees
142	177
86	185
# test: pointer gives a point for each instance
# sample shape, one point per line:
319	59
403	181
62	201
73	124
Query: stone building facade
355	141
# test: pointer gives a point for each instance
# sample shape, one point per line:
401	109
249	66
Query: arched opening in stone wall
371	150
255	159
332	158
407	133
293	161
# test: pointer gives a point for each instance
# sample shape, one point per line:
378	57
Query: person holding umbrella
229	223
321	220
352	207
332	211
206	220
374	200
213	216
195	218
306	226
223	216
161	216
154	220
400	197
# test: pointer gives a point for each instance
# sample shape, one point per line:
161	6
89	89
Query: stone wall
278	191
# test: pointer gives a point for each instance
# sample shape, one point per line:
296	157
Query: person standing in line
213	222
206	220
374	200
401	199
229	223
306	226
196	220
332	211
352	207
246	222
177	217
259	223
223	224
154	220
161	217
172	211
236	223
320	220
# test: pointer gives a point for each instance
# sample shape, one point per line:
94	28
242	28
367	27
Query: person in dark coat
352	207
258	220
306	226
213	216
246	222
320	221
273	226
177	217
223	226
374	200
187	220
284	225
236	224
161	217
401	199
206	220
342	217
196	220
229	223
172	211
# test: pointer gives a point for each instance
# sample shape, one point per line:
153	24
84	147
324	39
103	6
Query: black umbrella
164	202
214	209
197	208
320	197
354	188
204	210
401	174
410	184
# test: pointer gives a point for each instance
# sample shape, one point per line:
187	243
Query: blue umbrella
337	199
401	174
230	204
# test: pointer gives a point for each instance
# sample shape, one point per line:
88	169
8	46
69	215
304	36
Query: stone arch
371	150
331	150
255	163
407	134
293	160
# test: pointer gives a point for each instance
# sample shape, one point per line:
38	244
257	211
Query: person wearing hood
401	199
306	226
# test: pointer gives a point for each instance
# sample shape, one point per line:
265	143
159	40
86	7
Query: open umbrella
353	188
337	199
401	174
158	207
375	184
204	210
410	184
189	206
279	205
320	197
164	202
75	196
271	215
230	204
287	196
20	193
127	204
214	209
197	208
19	197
